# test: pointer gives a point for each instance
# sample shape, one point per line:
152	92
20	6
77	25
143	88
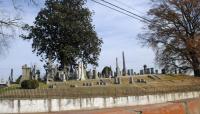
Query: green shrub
29	84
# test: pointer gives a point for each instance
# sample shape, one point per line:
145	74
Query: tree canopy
106	71
63	31
174	34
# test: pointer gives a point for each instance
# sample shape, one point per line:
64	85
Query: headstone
163	71
131	81
81	71
152	70
141	72
95	76
132	73
117	80
26	73
156	71
129	72
90	74
145	69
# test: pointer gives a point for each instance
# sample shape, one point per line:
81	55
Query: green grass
62	89
11	87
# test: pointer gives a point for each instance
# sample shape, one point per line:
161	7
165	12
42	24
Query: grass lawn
154	85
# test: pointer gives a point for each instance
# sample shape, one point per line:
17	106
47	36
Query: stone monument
124	65
117	68
26	73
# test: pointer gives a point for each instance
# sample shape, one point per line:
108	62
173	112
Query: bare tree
174	34
8	23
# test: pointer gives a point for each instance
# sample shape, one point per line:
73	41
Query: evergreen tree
63	31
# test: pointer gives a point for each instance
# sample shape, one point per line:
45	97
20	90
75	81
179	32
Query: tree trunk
197	72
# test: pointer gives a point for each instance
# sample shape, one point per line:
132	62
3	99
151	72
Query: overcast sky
119	33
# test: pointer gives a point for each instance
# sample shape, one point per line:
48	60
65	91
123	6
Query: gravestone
141	72
132	73
129	72
163	71
117	80
81	71
26	73
131	81
11	76
147	71
95	75
90	74
117	68
152	70
156	71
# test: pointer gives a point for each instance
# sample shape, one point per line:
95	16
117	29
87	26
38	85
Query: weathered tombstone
26	73
132	73
156	71
90	74
152	70
117	80
141	72
147	71
163	71
117	68
131	81
129	72
81	71
95	76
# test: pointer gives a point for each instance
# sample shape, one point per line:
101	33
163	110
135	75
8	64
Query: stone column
81	71
117	68
124	65
145	69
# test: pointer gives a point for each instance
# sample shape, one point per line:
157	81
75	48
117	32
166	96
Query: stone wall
55	105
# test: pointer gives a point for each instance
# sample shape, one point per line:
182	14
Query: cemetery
77	82
68	56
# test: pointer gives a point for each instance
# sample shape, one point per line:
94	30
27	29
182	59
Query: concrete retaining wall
56	105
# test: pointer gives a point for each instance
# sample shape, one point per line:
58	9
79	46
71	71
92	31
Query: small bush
29	84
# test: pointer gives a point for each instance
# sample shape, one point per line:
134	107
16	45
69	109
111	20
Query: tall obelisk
124	65
117	68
